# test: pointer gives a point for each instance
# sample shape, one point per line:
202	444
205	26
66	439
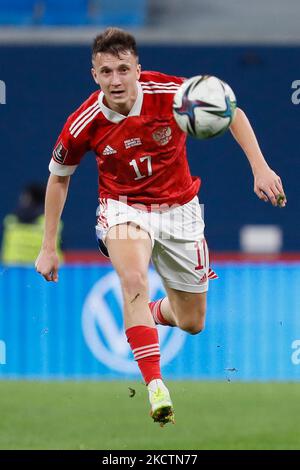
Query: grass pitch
104	415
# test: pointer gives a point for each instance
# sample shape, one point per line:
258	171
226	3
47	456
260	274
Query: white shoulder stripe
82	115
152	92
85	118
160	87
87	121
159	83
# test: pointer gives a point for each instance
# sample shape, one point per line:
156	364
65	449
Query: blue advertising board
74	329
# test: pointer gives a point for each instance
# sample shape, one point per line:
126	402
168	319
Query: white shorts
179	250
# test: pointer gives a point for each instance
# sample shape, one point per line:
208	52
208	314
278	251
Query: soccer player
148	199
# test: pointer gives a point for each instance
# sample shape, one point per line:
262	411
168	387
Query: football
204	106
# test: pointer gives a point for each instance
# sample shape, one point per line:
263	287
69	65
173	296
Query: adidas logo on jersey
108	150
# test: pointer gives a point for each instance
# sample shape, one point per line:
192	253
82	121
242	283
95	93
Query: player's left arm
267	184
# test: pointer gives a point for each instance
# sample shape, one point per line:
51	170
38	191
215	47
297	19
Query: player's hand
47	264
268	187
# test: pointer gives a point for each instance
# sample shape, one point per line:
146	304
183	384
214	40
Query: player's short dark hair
114	41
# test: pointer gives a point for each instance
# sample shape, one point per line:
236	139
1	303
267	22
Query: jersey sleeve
69	148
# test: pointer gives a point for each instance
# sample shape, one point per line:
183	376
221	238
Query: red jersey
141	156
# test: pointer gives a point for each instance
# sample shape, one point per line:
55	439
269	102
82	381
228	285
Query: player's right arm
70	147
47	261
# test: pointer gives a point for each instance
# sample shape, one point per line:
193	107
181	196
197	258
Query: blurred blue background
72	12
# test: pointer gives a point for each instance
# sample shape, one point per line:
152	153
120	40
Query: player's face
117	76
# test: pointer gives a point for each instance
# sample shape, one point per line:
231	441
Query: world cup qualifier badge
162	135
60	153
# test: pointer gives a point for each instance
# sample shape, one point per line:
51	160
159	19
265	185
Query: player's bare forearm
56	194
47	261
243	133
267	184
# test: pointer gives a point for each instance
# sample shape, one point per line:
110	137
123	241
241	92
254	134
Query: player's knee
194	323
193	327
197	327
134	283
